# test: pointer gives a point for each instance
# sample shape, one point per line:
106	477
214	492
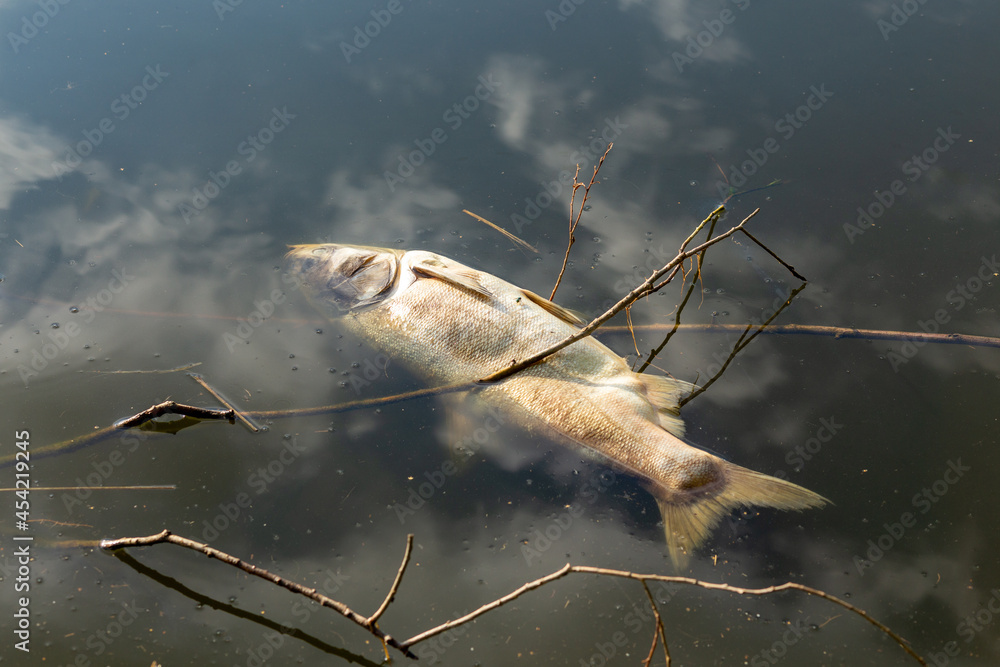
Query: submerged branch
573	223
647	287
371	626
677	318
819	330
167	537
741	343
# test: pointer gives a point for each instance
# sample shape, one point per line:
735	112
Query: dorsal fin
563	314
665	394
463	278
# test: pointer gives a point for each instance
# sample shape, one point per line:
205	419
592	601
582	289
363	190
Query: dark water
155	161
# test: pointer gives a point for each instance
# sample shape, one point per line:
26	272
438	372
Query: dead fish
450	323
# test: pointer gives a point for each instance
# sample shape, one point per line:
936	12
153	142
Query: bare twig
741	343
647	287
395	584
658	632
573	222
584	569
677	318
311	593
219	397
170	407
370	625
512	237
834	332
791	269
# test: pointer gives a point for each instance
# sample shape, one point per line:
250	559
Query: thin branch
791	269
170	407
584	569
834	332
659	634
574	222
677	318
647	287
395	584
741	343
512	237
221	399
167	537
369	623
499	602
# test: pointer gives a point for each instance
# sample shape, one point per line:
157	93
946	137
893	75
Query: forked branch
369	623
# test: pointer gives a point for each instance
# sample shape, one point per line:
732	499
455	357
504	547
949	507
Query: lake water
156	160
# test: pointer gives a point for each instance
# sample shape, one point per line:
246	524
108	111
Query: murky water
157	160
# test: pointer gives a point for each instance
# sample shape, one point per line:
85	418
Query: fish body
450	323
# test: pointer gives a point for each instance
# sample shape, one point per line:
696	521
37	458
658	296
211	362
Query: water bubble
693	183
54	325
291	356
74	309
319	331
597	239
587	207
332	370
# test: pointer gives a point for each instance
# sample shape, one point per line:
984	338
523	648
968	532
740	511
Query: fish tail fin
689	517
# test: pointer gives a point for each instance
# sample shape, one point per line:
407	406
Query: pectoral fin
461	278
563	314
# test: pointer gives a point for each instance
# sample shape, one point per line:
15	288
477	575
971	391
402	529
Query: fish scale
450	323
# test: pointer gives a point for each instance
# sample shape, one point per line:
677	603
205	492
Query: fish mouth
345	277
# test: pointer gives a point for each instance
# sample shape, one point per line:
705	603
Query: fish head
343	277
